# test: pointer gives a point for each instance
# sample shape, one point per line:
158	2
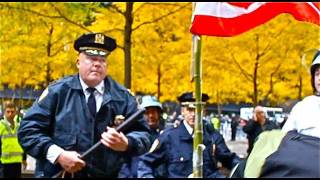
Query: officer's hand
255	117
114	140
70	161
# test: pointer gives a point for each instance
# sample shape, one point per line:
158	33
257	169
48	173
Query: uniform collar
111	88
188	127
100	87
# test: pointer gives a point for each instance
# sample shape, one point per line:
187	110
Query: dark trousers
233	133
12	170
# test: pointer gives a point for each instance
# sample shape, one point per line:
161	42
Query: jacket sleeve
223	153
250	127
139	134
154	158
37	125
125	170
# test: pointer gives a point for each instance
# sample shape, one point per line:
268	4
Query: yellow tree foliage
259	66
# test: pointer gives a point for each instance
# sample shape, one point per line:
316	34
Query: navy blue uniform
130	168
222	153
61	117
175	150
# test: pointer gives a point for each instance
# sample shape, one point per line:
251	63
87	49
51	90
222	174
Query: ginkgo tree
257	61
260	66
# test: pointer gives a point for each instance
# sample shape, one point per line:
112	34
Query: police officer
12	156
153	110
174	147
77	111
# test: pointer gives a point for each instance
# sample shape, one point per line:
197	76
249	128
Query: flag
233	18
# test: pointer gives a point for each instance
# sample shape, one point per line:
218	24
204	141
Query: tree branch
271	82
114	7
61	16
28	10
153	4
137	10
246	75
68	20
159	18
121	47
59	49
111	30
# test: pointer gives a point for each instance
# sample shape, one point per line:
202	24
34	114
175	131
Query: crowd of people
78	111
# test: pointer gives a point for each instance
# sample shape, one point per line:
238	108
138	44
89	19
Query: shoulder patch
43	95
154	146
130	92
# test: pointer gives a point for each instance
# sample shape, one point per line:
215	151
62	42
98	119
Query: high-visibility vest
216	122
11	151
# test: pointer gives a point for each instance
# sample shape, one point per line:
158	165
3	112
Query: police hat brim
89	41
95	52
188	104
189	97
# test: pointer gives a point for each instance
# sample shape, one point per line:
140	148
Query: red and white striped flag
233	18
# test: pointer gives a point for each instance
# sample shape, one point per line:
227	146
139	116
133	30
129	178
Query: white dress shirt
188	127
54	151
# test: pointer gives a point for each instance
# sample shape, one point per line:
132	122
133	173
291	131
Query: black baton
122	127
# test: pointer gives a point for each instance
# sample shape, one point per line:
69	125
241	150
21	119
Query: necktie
92	101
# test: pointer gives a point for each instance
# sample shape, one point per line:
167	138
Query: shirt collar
188	127
99	87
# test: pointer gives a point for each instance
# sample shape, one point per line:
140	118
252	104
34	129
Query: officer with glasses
77	111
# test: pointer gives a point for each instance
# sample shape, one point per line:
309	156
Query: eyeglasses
90	60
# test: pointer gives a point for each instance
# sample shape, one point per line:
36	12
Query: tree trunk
255	75
255	84
48	68
158	81
127	44
300	87
219	109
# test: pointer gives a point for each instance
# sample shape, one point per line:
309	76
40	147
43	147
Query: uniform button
181	158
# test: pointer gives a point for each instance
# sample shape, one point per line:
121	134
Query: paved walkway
239	147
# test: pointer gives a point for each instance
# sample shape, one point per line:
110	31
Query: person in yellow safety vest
12	155
215	121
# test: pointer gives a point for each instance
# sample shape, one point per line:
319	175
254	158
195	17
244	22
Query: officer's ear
78	63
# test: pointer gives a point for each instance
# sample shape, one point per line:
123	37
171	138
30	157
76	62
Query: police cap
188	99
95	44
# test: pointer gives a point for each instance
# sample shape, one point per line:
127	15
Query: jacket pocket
66	141
180	164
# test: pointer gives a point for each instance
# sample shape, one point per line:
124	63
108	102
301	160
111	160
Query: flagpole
198	146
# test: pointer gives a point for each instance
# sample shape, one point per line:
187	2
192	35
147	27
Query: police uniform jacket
130	168
61	117
174	148
222	153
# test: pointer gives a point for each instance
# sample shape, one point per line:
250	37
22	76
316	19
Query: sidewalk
239	147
